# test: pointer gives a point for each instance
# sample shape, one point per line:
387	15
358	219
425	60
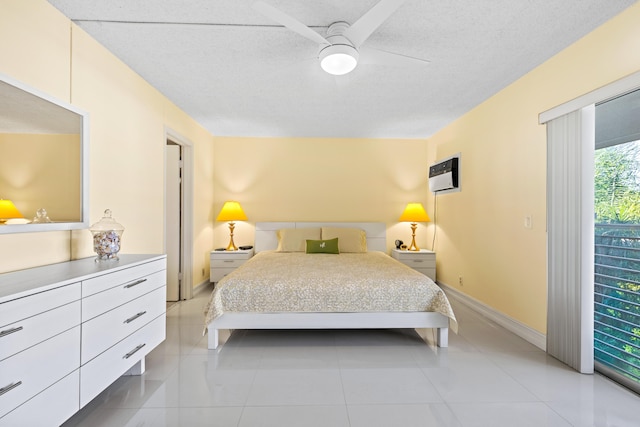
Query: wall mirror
43	161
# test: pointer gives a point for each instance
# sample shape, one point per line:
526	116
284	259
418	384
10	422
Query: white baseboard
523	331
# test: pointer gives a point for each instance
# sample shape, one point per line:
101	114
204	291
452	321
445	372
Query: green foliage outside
617	184
617	258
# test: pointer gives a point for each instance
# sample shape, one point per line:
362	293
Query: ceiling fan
342	48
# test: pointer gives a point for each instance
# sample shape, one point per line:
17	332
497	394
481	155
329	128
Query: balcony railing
617	299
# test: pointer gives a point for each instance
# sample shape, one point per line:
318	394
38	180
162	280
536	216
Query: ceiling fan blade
382	57
289	22
370	21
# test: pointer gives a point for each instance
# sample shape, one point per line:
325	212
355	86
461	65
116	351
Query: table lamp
414	213
8	211
231	211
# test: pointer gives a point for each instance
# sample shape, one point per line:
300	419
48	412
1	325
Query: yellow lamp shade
8	210
414	212
231	211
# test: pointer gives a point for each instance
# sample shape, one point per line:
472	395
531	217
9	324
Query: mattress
276	282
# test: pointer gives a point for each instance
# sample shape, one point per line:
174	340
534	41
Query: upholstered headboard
266	238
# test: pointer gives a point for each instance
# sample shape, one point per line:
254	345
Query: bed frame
266	239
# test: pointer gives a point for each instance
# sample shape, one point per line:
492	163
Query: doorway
174	220
178	213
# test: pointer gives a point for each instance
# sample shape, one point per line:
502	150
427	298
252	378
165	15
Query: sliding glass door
617	240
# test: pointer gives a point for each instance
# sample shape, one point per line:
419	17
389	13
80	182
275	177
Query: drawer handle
10	331
134	351
418	260
10	387
136	283
228	260
134	317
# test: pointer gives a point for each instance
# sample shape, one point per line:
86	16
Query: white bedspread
274	282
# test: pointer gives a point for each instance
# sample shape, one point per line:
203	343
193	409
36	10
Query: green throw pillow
323	246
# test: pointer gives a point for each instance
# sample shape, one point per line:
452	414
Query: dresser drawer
28	332
51	407
22	308
26	374
100	303
100	333
121	277
99	373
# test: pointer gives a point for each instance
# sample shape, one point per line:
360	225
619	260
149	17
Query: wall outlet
460	281
528	222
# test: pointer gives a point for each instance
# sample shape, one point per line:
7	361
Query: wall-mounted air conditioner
444	176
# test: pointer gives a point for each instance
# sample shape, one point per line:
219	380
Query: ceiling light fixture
338	59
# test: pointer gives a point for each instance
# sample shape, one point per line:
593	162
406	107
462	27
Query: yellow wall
128	120
481	233
310	179
41	171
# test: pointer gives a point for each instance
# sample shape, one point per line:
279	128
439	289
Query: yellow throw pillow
349	239
295	239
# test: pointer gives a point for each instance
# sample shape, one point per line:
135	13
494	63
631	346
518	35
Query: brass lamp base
232	246
413	246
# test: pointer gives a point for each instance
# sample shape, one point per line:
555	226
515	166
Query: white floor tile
547	378
105	417
294	416
420	415
486	377
299	357
602	404
277	387
529	414
160	417
367	356
199	383
388	386
474	378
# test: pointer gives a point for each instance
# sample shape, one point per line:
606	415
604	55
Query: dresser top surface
21	283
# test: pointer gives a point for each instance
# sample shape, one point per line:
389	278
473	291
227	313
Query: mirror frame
84	167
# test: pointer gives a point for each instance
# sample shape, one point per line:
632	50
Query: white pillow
295	239
349	239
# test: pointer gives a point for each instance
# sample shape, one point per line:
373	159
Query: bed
284	287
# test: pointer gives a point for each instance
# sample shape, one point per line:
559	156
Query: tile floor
486	377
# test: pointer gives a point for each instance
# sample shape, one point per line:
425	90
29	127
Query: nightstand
224	262
423	261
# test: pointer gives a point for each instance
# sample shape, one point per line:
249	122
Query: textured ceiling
240	74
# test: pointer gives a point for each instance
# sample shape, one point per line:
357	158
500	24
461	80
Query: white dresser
68	330
224	262
423	261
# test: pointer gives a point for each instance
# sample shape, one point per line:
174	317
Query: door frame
186	217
